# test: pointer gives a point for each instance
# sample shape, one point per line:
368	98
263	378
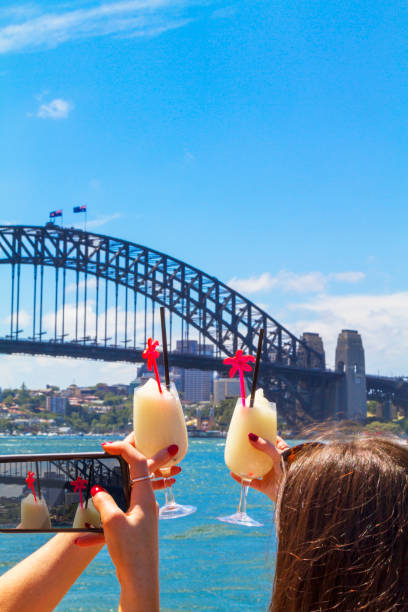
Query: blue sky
261	141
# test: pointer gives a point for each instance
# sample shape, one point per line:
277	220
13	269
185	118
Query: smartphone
51	493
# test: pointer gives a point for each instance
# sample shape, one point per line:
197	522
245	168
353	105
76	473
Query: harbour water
204	564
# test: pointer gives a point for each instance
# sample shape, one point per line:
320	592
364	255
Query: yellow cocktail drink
158	421
88	515
34	514
240	456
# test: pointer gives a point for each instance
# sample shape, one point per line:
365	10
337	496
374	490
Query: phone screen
51	493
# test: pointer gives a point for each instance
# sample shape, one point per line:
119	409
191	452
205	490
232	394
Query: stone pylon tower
315	342
350	360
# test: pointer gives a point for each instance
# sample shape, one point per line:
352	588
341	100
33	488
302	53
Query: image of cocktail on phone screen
51	493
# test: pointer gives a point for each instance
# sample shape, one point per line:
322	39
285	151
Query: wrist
139	598
139	585
130	599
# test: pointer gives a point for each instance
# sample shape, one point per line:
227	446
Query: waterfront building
56	404
143	375
225	388
196	385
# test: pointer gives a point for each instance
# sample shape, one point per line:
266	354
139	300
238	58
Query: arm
132	540
132	536
40	581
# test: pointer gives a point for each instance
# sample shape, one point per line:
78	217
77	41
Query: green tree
389	427
404	425
8	401
223	412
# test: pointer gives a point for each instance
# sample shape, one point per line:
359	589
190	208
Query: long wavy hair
342	526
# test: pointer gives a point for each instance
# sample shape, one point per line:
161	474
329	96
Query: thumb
105	504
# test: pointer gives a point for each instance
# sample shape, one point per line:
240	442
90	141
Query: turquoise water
204	564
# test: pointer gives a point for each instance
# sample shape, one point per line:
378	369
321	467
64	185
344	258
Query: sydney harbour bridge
79	294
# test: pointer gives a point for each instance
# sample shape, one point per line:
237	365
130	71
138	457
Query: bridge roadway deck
176	359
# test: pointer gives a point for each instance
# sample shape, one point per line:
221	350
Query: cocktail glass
158	421
242	458
171	509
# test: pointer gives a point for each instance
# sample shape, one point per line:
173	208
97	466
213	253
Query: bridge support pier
351	402
385	410
333	398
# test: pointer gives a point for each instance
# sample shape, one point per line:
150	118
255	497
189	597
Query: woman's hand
132	536
271	481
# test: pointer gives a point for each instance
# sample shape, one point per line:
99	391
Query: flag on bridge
55	213
78	209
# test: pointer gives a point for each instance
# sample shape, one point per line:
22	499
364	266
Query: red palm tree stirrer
79	485
30	483
240	364
151	354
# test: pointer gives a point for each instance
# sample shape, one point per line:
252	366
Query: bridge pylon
351	394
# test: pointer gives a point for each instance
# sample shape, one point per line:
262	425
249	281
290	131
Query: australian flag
79	209
55	213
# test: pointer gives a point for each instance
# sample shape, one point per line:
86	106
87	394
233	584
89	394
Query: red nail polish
76	541
253	437
97	489
172	449
104	443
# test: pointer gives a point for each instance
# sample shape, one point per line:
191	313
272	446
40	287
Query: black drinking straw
88	490
38	480
256	368
164	343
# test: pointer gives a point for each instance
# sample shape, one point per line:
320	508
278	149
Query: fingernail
97	489
104	443
253	437
76	541
172	449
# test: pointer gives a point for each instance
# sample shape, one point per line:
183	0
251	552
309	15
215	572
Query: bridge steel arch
220	314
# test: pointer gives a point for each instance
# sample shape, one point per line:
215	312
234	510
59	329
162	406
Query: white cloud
382	321
38	371
112	320
102	220
302	283
24	319
156	30
348	277
129	17
253	284
90	284
56	109
18	12
312	282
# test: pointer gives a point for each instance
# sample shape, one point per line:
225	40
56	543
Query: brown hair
342	519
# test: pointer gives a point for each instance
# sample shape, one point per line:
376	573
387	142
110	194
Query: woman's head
342	522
